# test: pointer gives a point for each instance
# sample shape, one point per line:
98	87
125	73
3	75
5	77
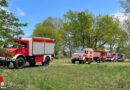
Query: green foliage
50	28
83	29
79	26
9	24
87	31
125	4
3	3
107	31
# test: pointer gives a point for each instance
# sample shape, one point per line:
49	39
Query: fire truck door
24	48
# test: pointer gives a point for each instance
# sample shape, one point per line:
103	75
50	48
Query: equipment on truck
83	56
28	49
100	56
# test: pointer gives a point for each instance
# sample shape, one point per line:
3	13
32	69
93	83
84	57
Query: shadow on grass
25	67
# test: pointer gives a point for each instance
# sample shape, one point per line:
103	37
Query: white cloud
121	16
20	12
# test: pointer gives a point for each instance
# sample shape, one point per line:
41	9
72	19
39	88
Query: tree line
83	29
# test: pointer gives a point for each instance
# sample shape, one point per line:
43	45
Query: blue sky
35	11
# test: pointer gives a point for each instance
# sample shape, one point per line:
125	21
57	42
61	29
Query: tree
125	4
79	27
9	24
67	44
50	28
107	31
83	29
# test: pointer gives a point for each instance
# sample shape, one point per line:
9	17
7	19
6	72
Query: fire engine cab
28	49
112	56
83	56
100	56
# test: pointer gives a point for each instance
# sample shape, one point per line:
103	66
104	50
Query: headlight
112	58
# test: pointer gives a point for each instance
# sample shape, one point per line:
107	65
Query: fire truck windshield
12	44
109	54
79	51
97	53
119	55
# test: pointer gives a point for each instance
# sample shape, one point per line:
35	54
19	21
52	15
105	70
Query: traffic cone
1	81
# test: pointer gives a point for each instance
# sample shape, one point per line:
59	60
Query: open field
62	75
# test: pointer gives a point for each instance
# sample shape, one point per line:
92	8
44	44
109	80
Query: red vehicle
111	56
121	58
30	49
100	56
83	56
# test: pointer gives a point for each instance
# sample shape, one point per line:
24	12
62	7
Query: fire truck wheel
89	62
103	60
84	62
73	61
47	61
32	63
7	64
80	62
19	63
99	60
1	63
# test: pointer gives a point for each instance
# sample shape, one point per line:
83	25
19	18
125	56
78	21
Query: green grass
62	75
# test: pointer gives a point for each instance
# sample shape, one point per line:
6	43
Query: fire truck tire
84	62
19	63
99	60
73	61
1	64
4	64
32	63
47	61
80	62
7	64
89	62
103	60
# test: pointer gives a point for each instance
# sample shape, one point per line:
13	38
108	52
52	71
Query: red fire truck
28	49
100	56
83	56
121	58
112	56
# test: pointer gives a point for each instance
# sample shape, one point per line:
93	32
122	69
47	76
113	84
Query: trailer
28	49
83	56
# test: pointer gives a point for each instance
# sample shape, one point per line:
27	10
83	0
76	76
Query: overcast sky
35	11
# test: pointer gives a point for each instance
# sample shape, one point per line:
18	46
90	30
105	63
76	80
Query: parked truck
83	56
121	58
100	56
28	49
112	56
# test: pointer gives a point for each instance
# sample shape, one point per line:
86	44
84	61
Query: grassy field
62	75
